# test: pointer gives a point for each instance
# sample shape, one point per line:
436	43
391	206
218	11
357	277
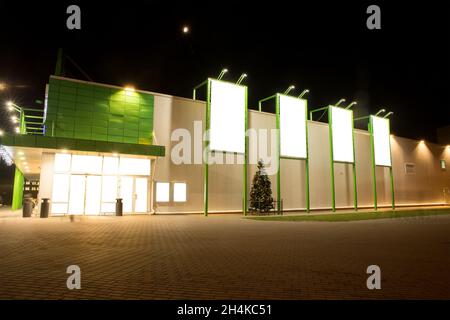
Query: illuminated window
179	192
134	166
87	164
60	188
62	162
110	165
162	191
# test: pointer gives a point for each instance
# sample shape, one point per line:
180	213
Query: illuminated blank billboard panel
292	127
342	126
227	119
382	148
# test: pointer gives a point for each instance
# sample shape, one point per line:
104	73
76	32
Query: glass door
77	193
93	195
141	195
126	193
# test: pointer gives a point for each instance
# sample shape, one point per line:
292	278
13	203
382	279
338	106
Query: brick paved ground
223	257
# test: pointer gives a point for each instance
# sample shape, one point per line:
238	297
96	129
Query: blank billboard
227	118
381	144
342	126
292	127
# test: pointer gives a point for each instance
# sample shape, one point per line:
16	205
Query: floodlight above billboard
227	116
381	144
292	127
342	134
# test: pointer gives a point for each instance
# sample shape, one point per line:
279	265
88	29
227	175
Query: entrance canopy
26	150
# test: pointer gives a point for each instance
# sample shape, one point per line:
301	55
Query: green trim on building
17	190
34	141
92	111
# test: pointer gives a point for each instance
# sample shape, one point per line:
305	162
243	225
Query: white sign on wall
292	127
342	126
227	118
382	147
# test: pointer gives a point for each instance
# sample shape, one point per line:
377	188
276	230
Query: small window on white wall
162	192
179	192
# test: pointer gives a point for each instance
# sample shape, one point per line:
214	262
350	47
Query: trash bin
45	205
27	208
119	207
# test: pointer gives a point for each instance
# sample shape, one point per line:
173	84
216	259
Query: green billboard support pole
355	189
390	168
308	202
330	132
372	155
206	150
245	169
17	190
277	111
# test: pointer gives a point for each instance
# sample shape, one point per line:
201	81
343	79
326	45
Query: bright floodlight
9	104
380	111
1	132
339	102
304	92
17	130
130	89
241	78
2	86
222	73
388	114
292	87
185	29
351	105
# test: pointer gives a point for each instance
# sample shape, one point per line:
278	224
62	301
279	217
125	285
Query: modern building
100	142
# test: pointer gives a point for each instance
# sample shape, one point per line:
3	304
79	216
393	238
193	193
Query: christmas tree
261	192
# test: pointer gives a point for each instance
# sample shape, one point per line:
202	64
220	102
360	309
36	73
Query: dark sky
323	46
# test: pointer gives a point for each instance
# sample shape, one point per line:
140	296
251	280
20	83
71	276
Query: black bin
27	208
45	206
119	207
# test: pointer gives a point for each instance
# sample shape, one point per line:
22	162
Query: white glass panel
381	141
179	192
162	191
77	192
86	164
93	195
227	131
126	193
60	192
134	166
110	165
109	189
292	127
342	125
108	207
141	195
62	162
59	208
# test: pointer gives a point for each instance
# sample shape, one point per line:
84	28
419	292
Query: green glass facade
85	110
17	190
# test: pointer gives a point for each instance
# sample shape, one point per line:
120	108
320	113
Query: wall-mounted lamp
289	89
222	73
241	78
339	102
304	92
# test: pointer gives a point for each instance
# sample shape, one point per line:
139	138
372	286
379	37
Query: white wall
225	181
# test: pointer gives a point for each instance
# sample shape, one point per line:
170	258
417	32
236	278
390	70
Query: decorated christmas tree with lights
261	199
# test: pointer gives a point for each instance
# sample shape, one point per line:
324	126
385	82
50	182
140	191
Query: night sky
323	46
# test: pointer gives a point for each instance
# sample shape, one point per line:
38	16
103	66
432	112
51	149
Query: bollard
27	208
